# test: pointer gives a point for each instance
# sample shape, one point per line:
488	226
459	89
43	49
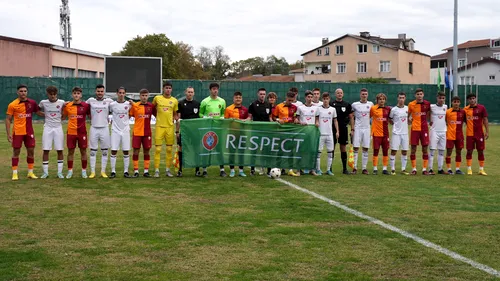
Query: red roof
283	78
471	44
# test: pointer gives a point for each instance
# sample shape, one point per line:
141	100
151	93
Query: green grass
245	229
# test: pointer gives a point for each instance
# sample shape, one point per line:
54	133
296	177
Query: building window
361	67
327	51
462	80
101	74
62	72
376	49
341	67
319	52
410	67
496	56
461	62
495	43
362	48
492	77
339	50
385	66
86	74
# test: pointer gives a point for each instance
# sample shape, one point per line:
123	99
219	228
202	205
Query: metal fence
487	95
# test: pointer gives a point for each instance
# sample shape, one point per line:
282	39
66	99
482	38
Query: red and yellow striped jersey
22	113
455	120
285	112
142	113
77	114
475	116
419	112
232	111
380	117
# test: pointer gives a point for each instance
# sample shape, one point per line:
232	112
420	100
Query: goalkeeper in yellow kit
166	114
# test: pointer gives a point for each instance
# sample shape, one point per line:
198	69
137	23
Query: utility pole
455	49
64	24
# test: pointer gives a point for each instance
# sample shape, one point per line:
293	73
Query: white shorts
326	141
399	142
99	136
361	138
122	138
438	140
53	135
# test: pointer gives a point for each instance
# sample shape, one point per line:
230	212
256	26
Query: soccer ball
275	173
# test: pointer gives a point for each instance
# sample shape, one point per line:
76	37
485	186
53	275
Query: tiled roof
471	44
385	42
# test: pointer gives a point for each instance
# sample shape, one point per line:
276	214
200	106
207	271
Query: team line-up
368	122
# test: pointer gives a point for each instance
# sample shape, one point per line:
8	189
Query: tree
221	63
154	45
276	65
299	64
214	61
188	66
259	65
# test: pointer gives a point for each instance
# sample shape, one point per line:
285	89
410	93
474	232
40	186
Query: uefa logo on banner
210	140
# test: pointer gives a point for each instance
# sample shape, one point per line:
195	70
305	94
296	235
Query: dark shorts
459	144
419	136
179	140
343	136
381	141
28	140
145	141
475	143
72	140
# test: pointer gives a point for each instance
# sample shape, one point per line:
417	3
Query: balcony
321	77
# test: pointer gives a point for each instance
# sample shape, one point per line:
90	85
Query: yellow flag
176	159
350	160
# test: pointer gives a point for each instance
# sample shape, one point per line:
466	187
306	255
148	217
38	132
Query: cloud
250	28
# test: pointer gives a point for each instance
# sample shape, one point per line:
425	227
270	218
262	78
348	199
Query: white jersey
99	110
120	111
298	103
438	117
318	104
362	114
326	116
53	112
307	114
399	116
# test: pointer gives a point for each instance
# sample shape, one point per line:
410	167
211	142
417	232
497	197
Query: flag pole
455	45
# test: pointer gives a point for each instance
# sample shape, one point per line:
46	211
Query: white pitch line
414	237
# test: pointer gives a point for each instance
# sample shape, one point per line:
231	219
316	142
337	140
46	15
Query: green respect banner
210	142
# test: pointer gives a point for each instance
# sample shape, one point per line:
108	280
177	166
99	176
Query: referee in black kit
188	108
260	110
345	116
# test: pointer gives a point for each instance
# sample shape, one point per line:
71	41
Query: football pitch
250	228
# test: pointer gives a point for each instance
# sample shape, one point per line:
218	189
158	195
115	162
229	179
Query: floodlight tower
64	24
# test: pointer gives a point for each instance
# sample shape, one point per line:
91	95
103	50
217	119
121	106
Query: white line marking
419	240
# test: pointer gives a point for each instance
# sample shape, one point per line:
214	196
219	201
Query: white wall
434	76
312	67
481	74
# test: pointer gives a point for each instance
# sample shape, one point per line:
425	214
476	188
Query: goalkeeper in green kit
213	107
